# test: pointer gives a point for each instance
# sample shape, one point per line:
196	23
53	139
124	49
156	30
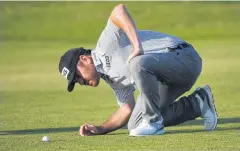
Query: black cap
68	65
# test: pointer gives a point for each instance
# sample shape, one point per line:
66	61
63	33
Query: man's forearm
117	120
121	18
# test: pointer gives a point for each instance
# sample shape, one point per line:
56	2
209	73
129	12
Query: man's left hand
88	130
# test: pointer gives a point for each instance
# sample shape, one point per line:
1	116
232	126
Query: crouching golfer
161	66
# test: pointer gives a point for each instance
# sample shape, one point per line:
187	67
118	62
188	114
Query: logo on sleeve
107	58
65	72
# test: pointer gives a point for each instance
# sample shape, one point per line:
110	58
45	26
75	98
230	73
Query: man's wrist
138	48
101	130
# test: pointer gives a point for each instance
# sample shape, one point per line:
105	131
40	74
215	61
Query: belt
179	46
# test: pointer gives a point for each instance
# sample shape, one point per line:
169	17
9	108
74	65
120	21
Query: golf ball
45	139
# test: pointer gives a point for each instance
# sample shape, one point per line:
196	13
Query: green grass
33	97
82	22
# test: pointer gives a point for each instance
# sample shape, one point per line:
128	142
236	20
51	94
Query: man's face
86	72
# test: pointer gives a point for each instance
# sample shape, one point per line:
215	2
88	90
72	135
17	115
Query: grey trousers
161	78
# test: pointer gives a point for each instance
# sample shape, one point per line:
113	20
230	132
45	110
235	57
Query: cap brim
72	74
70	86
71	81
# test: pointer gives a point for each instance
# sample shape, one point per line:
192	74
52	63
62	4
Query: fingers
81	130
87	130
134	54
92	129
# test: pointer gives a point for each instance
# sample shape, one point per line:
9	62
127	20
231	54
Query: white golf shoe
207	106
146	129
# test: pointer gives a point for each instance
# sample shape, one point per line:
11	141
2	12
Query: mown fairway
33	97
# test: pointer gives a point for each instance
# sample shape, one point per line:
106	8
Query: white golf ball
45	139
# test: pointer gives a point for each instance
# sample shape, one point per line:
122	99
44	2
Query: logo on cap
65	72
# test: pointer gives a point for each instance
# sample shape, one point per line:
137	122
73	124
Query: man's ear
81	57
85	59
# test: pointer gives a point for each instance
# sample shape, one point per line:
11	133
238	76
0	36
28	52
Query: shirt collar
95	58
97	62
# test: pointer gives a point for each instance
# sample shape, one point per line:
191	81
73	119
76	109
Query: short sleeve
111	27
110	37
123	94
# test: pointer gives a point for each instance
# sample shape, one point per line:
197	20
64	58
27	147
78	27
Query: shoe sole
212	105
159	132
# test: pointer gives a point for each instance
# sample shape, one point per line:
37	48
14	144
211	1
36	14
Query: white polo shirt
113	49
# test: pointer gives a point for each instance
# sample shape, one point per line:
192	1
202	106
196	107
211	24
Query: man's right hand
135	53
88	130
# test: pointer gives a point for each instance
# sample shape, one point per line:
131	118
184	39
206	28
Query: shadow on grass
75	129
220	121
201	130
39	131
122	133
